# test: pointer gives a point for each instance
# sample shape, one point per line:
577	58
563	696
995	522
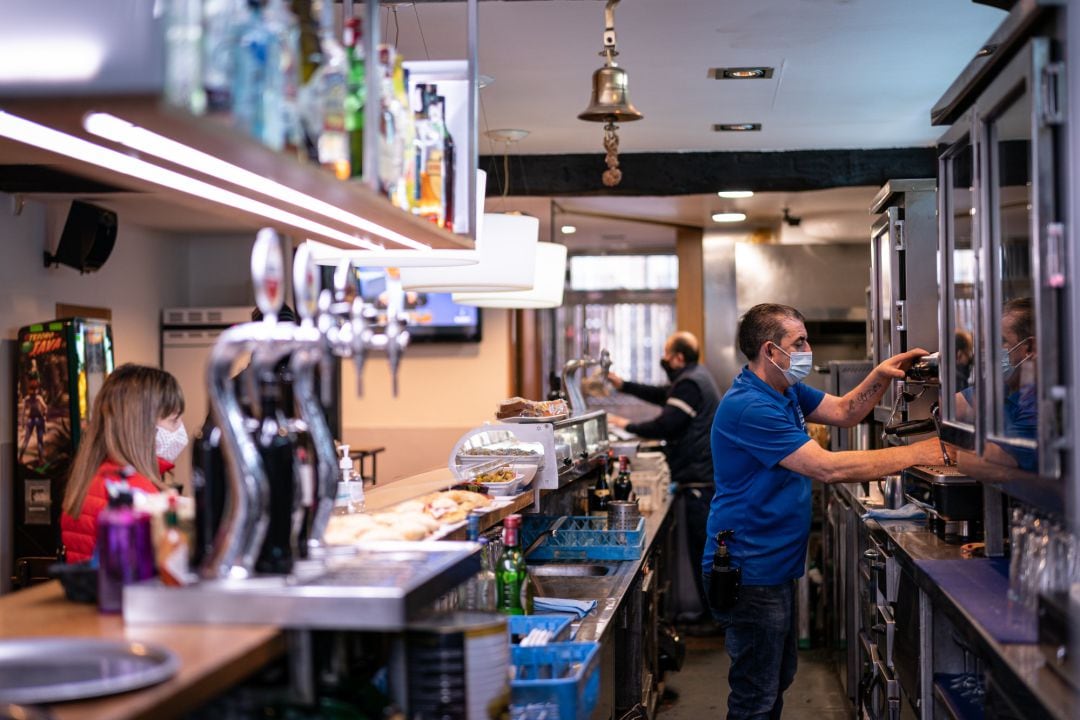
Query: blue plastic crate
518	626
588	538
558	681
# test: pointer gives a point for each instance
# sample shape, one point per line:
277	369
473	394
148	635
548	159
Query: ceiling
848	74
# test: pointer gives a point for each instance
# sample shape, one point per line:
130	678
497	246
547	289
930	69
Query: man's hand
617	420
928	452
897	366
615	380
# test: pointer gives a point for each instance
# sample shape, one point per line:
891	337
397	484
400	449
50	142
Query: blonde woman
135	421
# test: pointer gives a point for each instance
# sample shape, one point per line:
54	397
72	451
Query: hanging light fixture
547	289
610	99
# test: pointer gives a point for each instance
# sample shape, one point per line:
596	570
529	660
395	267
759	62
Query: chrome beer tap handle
245	516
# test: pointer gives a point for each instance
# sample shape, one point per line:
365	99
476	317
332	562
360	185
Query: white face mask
1007	368
800	366
168	444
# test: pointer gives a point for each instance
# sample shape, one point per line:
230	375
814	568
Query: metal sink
570	570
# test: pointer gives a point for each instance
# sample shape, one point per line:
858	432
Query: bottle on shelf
308	60
429	158
251	73
622	487
350	491
448	176
405	195
326	105
184	56
355	94
221	22
391	144
511	573
600	495
173	554
283	120
479	592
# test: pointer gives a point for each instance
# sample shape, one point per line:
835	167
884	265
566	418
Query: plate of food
500	481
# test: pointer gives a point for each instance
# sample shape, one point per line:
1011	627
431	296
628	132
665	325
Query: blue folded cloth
581	608
910	511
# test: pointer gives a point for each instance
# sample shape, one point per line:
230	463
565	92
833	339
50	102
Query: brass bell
609	97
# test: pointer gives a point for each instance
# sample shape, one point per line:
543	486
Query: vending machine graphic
60	367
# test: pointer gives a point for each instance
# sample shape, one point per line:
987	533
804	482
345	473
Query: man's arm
858	465
671	423
850	409
653	394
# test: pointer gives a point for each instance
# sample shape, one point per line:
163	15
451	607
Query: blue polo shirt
766	505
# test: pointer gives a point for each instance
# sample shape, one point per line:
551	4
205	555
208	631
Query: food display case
560	450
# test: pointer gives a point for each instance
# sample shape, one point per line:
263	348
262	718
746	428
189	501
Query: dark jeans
698	500
761	637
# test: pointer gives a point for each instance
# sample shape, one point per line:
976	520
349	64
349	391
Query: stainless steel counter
608	590
1020	668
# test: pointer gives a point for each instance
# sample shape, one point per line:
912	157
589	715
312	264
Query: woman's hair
126	411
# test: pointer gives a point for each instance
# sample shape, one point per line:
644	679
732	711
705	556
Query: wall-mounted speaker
88	238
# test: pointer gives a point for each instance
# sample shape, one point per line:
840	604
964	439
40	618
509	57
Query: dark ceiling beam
694	173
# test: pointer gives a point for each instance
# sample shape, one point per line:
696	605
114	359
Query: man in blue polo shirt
763	463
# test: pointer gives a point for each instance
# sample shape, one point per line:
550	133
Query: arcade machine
60	367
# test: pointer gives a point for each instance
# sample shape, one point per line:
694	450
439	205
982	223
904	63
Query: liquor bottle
391	146
429	160
355	95
283	120
448	160
183	56
622	488
479	592
173	555
332	81
405	198
511	575
222	20
600	495
252	75
308	60
275	446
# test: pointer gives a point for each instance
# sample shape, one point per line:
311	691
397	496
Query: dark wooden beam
693	173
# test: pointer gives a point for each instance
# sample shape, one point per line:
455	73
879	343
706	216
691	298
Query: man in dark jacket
689	402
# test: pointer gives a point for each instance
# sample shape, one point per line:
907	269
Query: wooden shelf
165	208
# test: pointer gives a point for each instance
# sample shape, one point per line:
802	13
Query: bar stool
362	454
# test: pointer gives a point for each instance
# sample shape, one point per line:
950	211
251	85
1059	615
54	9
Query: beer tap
245	517
312	351
571	378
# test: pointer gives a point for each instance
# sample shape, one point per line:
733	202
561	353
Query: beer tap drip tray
380	586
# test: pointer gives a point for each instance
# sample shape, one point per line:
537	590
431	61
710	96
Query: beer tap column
245	517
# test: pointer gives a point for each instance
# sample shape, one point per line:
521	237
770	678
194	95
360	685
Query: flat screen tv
433	317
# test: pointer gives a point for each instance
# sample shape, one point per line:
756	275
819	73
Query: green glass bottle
356	97
511	575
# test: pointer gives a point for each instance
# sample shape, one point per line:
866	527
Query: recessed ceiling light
741	73
568	229
736	127
735	194
728	217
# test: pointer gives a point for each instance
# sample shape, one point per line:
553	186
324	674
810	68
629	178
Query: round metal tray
55	669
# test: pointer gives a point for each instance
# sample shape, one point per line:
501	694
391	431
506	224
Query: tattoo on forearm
862	398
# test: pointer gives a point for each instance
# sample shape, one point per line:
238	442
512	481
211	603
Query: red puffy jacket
79	535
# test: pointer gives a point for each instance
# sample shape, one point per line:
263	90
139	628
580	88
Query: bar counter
212	658
1019	667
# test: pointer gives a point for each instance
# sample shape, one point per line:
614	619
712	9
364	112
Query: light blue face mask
1007	368
801	365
